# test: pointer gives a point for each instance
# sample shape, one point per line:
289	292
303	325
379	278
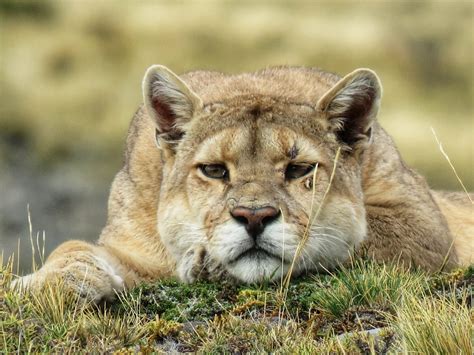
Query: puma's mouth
256	253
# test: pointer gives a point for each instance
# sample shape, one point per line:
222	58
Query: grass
369	285
411	312
430	325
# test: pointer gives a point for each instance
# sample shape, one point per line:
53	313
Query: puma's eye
295	171
215	171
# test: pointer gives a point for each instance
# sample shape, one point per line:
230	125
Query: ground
362	308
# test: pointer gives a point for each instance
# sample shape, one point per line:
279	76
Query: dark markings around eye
293	152
296	171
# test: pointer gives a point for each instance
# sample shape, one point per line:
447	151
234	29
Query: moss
364	284
175	301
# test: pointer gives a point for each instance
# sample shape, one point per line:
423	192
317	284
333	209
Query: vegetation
367	308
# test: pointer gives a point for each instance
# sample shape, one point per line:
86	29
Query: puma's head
251	168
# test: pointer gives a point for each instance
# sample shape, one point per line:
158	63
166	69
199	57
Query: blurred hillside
70	76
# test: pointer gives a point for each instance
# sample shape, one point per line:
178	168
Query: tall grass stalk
311	219
451	164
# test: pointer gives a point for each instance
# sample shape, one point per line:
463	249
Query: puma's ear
168	101
351	106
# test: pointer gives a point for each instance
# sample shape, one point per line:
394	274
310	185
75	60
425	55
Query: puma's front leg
82	268
196	264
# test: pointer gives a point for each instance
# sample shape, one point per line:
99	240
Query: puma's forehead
268	144
255	113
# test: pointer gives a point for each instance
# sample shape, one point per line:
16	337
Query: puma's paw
89	277
196	264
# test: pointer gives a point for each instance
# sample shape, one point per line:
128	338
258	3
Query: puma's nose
255	219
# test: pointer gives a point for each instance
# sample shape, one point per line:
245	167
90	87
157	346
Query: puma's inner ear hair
168	101
351	106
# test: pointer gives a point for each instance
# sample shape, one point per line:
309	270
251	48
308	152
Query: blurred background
70	74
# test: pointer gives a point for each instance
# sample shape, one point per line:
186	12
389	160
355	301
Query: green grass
416	312
367	284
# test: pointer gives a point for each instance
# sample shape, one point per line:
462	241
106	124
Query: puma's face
258	182
256	192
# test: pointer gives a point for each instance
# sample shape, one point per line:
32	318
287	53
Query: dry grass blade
30	229
35	246
450	164
312	219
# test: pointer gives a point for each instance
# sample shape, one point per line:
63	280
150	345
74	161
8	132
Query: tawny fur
376	204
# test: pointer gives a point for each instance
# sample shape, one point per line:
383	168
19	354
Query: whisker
315	226
193	226
335	238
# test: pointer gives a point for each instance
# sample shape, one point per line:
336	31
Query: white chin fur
252	270
231	240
